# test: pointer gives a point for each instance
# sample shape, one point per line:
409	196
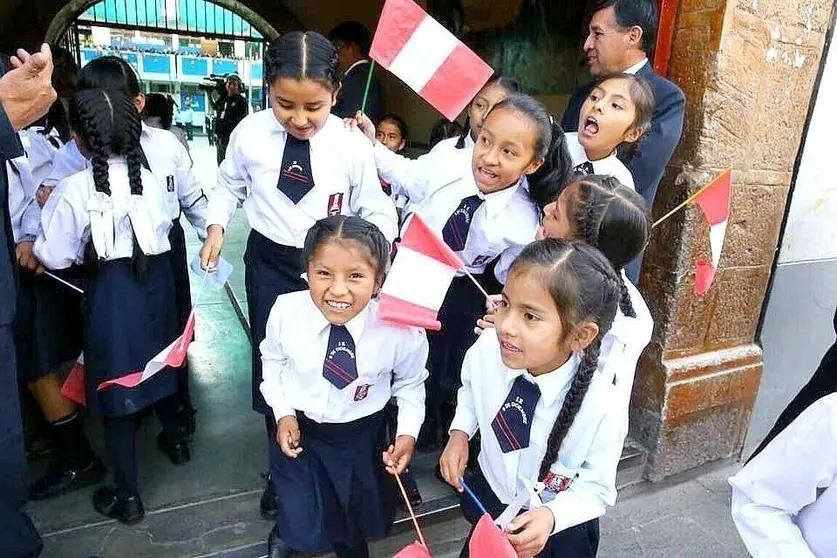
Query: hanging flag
714	200
415	550
488	541
427	57
419	278
174	355
73	386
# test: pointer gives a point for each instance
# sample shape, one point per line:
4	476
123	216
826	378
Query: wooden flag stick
368	85
410	509
483	291
65	283
689	200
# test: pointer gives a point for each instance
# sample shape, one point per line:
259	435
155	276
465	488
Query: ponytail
546	183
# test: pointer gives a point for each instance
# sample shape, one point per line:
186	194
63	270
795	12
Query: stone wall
747	69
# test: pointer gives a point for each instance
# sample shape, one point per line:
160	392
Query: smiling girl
289	167
330	367
616	113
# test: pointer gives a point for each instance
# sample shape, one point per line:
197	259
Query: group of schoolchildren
526	392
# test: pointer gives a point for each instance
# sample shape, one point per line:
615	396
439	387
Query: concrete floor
209	507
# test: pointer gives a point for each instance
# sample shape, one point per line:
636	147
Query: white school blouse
76	214
390	362
402	173
784	501
169	162
342	165
24	212
502	226
610	165
623	344
588	457
40	150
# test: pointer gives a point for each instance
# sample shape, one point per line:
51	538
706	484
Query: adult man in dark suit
621	35
351	39
26	94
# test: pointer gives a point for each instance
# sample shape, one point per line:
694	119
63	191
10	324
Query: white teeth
338	305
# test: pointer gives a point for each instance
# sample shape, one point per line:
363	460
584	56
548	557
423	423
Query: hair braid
625	304
572	403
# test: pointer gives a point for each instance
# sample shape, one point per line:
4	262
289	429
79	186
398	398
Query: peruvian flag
415	550
488	541
427	57
173	356
714	200
73	386
419	278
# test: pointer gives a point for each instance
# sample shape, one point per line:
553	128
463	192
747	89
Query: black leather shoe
177	452
268	503
62	480
276	547
125	510
411	488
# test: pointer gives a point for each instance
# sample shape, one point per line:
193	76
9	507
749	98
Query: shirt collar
637	67
579	155
146	130
496	202
319	323
355	65
553	384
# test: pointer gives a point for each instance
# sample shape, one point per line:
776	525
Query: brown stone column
748	69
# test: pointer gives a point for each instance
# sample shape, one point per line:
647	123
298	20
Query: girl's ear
584	334
139	102
533	166
334	95
633	134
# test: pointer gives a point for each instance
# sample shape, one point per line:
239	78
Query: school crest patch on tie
361	392
335	204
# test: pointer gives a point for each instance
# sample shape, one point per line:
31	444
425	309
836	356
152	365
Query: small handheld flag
714	200
417	549
73	386
487	540
427	57
419	279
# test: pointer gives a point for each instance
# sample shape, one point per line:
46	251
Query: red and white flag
714	200
73	386
427	57
419	278
415	550
488	541
174	355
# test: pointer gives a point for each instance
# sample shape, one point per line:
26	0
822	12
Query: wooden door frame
665	35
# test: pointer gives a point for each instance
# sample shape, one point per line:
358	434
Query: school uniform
337	381
514	413
480	229
40	147
784	500
48	323
171	164
283	196
609	166
624	343
402	174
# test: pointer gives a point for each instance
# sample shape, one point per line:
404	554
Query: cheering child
551	428
113	218
324	169
330	367
615	115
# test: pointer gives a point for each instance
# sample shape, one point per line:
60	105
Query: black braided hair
613	218
303	55
585	288
108	124
551	145
349	228
509	84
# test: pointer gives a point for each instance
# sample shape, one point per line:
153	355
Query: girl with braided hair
551	428
615	219
331	366
290	167
112	218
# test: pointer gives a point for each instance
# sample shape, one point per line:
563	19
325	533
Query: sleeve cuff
570	509
468	425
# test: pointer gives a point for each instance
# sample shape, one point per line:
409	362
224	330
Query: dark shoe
41	447
62	480
276	547
268	502
411	488
125	510
177	452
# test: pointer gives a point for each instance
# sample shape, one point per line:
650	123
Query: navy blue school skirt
49	321
580	541
337	491
270	270
180	273
463	305
127	322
